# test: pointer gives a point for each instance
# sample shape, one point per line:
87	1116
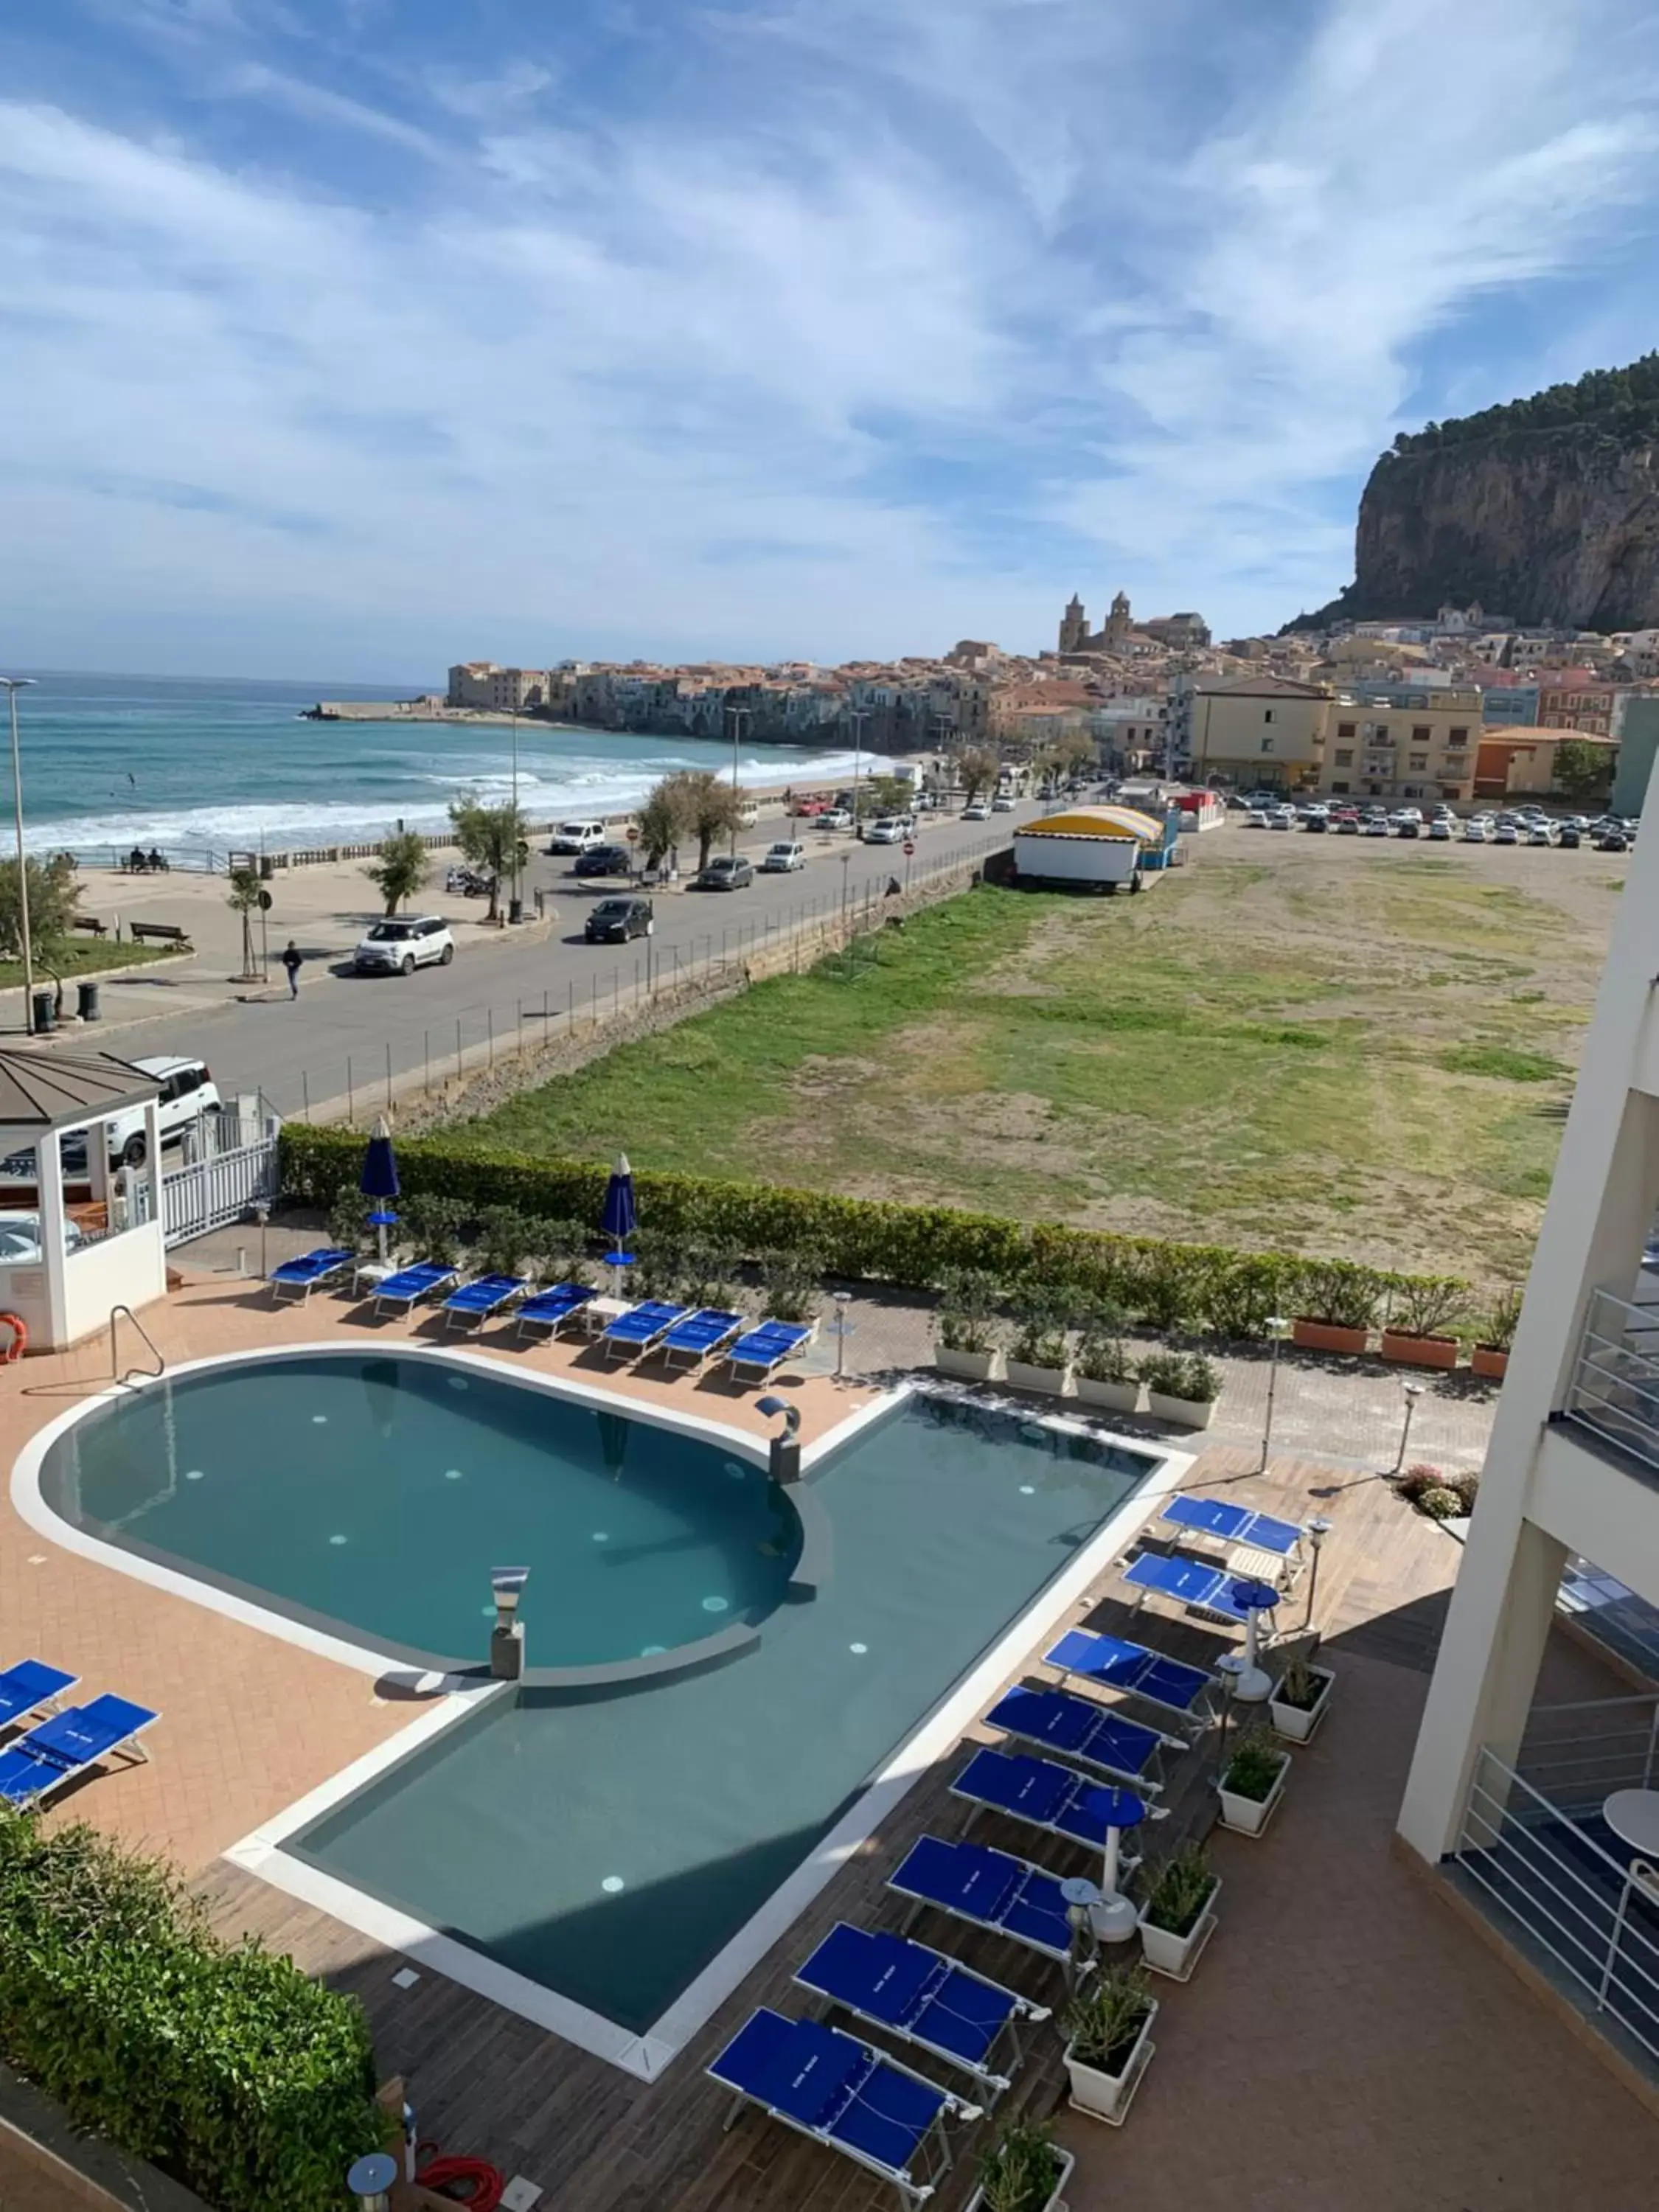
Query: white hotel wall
1543	1492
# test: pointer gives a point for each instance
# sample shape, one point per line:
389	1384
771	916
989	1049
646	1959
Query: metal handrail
1614	1387
143	1373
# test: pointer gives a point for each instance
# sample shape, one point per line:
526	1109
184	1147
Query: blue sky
357	336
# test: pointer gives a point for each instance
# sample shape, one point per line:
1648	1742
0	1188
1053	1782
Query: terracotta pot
1329	1336
1486	1359
1409	1351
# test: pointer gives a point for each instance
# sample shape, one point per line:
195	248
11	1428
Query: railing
210	1193
1607	1609
1615	1387
159	1368
1577	1755
1551	1885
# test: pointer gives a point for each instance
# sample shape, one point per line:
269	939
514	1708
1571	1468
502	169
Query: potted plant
1252	1781
1108	2030
1299	1699
967	1341
1441	1497
1181	1387
1023	2171
1342	1301
1039	1357
1491	1357
1105	1373
1178	1918
1425	1305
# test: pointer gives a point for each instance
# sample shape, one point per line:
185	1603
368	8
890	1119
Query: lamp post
515	896
1318	1529
14	684
1413	1391
739	716
1277	1326
843	1329
859	717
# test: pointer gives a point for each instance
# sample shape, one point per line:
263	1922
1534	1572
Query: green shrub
1102	2021
434	1226
1181	1375
1440	1502
1020	2172
1040	1340
860	1240
1341	1294
1253	1766
967	1310
791	1277
1498	1330
1178	1890
1425	1305
347	1221
225	2065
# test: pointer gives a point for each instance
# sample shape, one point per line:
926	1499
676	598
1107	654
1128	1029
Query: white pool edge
646	2055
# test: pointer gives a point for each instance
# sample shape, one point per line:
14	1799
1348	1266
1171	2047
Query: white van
578	836
748	814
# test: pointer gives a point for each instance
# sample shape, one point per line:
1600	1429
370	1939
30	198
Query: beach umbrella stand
379	1180
618	1220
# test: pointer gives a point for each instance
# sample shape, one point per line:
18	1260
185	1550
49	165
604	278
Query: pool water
374	1495
610	1848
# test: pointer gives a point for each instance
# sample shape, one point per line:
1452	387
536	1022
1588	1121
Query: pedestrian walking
291	960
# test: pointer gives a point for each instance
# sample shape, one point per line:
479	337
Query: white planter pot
1184	1413
1025	1377
1108	2096
969	1366
1291	1721
1067	2161
1249	1816
1177	1955
1119	1397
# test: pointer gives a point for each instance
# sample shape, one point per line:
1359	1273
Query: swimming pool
611	1862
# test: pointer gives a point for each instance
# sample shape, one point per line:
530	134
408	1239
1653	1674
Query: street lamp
14	684
859	716
515	896
843	1329
1317	1529
739	716
1277	1326
1413	1391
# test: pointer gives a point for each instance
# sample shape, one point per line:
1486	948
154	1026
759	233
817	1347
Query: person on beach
291	960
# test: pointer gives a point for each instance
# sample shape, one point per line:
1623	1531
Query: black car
1613	840
614	920
1567	837
730	873
606	861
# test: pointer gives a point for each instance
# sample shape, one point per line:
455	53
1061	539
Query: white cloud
881	326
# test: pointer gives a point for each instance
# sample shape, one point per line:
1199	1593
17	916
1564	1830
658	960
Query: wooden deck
486	2082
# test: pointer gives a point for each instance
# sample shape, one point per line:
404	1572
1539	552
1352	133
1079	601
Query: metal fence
364	1081
1614	1387
207	1194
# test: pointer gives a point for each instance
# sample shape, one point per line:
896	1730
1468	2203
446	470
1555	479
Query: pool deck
1348	2041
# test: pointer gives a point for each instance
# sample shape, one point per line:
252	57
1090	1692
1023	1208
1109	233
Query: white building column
1500	1618
49	1192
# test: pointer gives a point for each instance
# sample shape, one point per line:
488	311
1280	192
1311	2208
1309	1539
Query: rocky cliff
1547	510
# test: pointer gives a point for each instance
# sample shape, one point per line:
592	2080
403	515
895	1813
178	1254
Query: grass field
1367	1053
82	956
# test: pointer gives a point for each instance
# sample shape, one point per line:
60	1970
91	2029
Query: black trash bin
86	1002
267	867
515	912
43	1011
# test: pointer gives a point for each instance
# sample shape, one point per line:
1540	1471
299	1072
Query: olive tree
492	839
402	869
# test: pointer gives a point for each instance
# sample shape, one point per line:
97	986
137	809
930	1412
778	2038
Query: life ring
20	1337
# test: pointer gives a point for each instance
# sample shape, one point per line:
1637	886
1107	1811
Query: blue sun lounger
641	1327
471	1306
701	1336
300	1278
1056	1799
1110	1663
404	1291
551	1309
1226	1523
845	2094
989	1889
49	1757
1211	1590
925	1998
29	1688
1092	1734
755	1357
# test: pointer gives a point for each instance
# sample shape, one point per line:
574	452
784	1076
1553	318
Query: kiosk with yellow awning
1094	848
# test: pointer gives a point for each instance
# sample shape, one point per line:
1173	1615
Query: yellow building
1405	743
1251	731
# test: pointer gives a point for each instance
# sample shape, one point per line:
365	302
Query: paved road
346	1035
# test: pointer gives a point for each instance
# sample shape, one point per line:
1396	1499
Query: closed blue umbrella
618	1220
379	1180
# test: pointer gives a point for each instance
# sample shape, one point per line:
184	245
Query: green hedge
1171	1285
221	2064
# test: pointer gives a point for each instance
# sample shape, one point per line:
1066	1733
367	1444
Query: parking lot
1519	822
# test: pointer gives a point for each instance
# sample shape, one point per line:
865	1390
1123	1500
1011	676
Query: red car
809	806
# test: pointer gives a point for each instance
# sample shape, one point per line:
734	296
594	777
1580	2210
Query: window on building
1267	744
1421	733
1339	788
1380	734
1458	738
1267	714
1417	761
1345	729
1344	756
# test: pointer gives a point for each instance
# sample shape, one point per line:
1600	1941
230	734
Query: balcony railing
1615	1387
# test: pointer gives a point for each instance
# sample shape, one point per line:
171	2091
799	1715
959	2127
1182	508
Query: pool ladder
159	1368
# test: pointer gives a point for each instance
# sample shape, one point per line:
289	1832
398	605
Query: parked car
1541	833
1569	837
187	1094
1347	824
614	920
979	812
1440	830
1283	818
1613	840
1002	804
783	858
1506	833
890	831
1474	831
1374	825
605	860
838	817
807	810
403	943
1320	822
729	873
577	837
1408	828
1256	818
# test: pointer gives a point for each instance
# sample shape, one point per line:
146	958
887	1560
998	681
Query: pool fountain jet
785	1457
507	1637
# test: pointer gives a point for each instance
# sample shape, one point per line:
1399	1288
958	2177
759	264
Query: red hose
472	2181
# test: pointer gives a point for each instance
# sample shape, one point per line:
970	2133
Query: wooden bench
165	932
88	922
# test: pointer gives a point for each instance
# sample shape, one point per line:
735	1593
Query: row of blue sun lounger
685	1337
857	2099
64	1743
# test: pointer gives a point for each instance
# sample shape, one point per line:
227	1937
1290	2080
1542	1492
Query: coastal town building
482	684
